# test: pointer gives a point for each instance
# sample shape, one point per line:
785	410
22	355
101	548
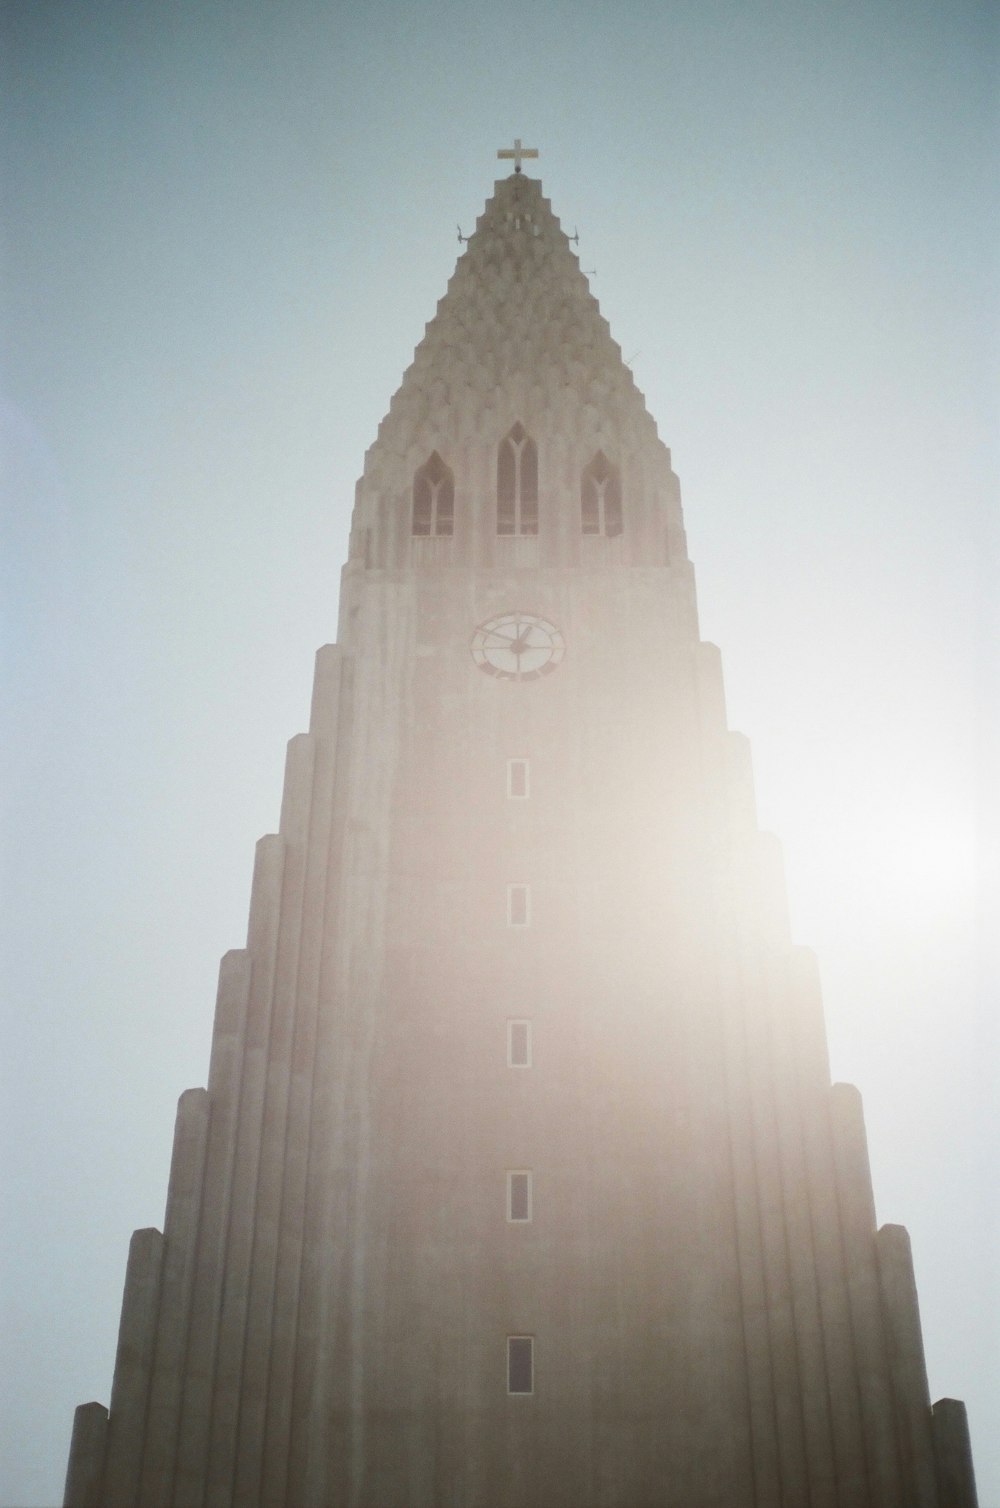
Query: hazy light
914	855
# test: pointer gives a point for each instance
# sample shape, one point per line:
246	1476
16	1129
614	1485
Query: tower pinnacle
517	152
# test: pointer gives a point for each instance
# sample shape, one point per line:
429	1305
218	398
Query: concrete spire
517	333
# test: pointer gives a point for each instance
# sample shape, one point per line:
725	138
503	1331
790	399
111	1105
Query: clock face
517	647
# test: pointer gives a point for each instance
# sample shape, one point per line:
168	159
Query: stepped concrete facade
519	1180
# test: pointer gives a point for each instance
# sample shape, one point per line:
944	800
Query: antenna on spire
460	236
574	239
517	152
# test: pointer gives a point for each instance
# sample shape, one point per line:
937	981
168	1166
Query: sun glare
920	854
907	857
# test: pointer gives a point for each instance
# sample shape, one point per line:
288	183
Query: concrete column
271	1193
772	893
325	711
763	1419
332	1354
223	1096
296	796
315	921
756	1333
855	1201
806	1023
133	1363
262	941
769	1208
805	1029
323	1242
700	1224
226	1063
710	693
906	1356
801	1027
741	799
769	1444
86	1457
953	1454
180	1235
807	1329
723	976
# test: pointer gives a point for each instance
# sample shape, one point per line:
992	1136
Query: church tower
519	1180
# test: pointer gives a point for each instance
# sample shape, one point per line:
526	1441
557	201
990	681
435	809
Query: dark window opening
601	498
518	1196
520	1364
517	779
517	483
434	498
517	905
519	1044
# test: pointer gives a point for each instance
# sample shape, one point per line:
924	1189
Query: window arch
433	498
601	497
517	483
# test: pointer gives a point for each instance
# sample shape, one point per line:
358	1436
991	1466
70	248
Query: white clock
517	646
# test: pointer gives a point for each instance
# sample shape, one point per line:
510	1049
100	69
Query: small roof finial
517	152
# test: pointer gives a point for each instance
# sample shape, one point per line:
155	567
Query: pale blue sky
228	224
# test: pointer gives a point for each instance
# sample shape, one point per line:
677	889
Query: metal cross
517	152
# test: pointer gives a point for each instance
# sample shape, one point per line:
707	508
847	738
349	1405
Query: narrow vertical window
518	905
529	487
517	779
600	498
520	1364
517	483
518	1196
507	486
518	1044
433	498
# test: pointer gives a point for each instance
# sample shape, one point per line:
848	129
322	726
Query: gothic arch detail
601	497
517	483
433	497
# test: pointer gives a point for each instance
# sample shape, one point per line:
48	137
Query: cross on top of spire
517	152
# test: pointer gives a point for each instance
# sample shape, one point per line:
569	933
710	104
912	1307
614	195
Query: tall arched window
601	497
433	498
517	483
